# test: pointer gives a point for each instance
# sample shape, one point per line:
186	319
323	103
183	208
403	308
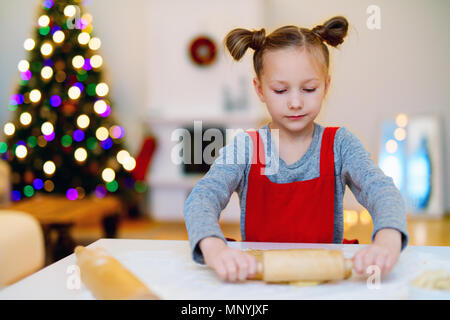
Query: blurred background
165	67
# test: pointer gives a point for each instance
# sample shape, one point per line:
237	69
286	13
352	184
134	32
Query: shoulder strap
258	154
326	151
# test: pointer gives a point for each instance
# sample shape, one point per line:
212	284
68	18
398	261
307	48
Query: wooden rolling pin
301	265
107	278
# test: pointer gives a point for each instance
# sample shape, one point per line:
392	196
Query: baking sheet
173	275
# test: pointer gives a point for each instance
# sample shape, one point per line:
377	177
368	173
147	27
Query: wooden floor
422	231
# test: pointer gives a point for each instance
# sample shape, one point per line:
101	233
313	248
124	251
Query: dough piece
433	279
305	283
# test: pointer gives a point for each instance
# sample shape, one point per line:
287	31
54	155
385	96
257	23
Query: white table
167	268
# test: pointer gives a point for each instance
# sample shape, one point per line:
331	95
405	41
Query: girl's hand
230	264
383	252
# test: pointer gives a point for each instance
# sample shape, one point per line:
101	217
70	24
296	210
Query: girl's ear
258	89
327	84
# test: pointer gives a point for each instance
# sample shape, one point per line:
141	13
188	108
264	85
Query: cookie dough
306	283
433	279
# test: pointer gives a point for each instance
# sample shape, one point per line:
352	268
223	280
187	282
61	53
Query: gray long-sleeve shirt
353	167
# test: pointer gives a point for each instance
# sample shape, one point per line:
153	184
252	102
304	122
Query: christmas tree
64	139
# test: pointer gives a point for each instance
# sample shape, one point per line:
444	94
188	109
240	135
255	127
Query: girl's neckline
304	158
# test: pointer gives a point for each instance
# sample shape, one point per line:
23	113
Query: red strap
326	151
258	155
326	159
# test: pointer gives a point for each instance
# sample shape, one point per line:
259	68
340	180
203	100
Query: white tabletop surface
167	268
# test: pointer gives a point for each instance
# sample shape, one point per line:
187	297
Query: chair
22	248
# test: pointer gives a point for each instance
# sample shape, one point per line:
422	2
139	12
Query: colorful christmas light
58	36
102	89
49	167
102	133
9	129
72	194
78	135
70	10
21	151
107	112
23	65
78	61
48	4
95	43
35	95
29	44
38	184
46	49
80	154
55	101
26	75
100	192
46	72
25	118
83	121
107	143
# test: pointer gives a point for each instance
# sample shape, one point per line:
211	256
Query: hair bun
332	31
258	38
239	40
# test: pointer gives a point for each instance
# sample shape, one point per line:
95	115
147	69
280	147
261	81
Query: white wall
16	19
177	87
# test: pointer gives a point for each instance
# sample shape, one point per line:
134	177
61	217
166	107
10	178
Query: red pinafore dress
299	211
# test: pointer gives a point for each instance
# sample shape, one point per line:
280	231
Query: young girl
302	201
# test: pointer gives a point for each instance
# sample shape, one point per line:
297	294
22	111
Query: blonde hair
332	32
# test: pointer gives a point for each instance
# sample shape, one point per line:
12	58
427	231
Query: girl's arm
212	193
204	205
378	194
231	264
383	252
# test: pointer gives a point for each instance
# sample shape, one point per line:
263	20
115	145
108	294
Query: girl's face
291	89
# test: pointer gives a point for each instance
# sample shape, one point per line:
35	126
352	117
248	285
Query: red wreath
203	51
